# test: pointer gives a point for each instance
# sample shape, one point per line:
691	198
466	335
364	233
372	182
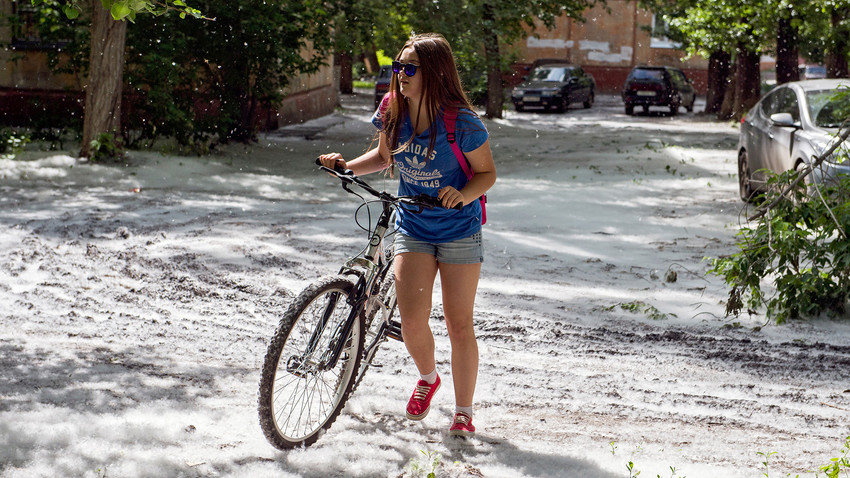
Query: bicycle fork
308	362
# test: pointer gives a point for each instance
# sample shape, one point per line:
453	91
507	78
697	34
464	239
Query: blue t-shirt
427	175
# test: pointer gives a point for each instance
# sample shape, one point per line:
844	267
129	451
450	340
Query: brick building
607	46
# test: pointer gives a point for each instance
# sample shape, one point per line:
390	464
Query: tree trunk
747	81
370	59
346	79
492	59
786	52
836	55
106	76
728	99
719	66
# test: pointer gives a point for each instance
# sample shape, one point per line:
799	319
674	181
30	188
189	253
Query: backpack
449	120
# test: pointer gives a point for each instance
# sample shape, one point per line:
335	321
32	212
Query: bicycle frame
368	267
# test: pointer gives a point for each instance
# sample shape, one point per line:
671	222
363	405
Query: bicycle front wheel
303	387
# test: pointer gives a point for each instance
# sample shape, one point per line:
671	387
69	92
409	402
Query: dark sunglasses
408	68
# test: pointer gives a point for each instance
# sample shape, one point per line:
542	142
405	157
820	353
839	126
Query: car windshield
648	74
549	74
829	108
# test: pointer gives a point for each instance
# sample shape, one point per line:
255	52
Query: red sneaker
420	403
462	426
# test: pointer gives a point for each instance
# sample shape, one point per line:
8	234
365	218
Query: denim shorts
468	250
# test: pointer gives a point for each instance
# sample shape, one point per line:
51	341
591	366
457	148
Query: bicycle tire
373	325
298	399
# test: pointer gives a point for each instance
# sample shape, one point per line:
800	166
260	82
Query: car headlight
548	92
839	156
519	92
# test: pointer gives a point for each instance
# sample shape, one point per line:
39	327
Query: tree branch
808	170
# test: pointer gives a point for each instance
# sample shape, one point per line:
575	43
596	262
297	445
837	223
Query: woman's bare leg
414	283
459	285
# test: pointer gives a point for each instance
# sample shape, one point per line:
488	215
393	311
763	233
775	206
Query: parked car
555	86
812	72
790	127
382	83
658	86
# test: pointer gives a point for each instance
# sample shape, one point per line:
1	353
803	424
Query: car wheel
589	101
630	110
690	107
674	106
806	186
745	186
563	105
520	109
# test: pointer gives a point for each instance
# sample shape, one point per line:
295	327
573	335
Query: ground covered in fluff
138	300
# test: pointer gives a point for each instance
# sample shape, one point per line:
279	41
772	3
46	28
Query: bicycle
331	332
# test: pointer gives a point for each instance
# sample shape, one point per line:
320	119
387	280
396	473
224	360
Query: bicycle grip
337	167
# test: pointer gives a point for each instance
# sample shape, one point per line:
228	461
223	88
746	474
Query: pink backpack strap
450	120
385	103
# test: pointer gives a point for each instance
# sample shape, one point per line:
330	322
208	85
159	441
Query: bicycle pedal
394	330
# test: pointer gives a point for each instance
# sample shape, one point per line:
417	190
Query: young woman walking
412	136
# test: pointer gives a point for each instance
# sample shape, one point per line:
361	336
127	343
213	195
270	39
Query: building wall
607	46
309	96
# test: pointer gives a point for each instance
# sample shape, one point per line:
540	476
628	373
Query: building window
659	34
24	21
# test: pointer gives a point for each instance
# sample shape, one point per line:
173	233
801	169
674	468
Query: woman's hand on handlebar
450	197
333	161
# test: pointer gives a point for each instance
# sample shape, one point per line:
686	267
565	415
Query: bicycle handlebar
347	176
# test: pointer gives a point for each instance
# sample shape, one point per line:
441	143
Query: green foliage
633	473
426	469
840	466
205	82
127	9
200	82
640	307
12	143
106	148
802	245
766	462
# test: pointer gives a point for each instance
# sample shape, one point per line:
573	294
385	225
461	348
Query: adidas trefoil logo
416	163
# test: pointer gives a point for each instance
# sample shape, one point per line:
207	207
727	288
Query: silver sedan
790	127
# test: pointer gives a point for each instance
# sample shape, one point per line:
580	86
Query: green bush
107	148
12	143
801	244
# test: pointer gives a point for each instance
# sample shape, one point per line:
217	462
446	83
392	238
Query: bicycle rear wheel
301	390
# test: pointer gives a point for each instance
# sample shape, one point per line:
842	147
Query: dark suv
658	86
555	86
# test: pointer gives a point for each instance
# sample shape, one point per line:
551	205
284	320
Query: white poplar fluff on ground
137	303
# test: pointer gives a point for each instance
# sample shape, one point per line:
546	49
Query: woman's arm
481	161
376	159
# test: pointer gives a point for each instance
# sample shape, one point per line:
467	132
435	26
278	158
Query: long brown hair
441	88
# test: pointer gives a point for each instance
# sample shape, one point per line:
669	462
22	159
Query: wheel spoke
303	394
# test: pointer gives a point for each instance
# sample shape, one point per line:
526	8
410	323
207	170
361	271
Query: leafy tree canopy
128	9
